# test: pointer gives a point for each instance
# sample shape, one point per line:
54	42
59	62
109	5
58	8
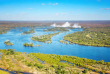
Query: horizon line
49	20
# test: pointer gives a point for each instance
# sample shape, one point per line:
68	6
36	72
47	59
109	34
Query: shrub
29	64
85	71
40	66
10	51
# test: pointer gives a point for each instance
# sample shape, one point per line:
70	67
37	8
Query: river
16	37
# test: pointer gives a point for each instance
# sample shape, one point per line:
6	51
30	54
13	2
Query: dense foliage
28	45
50	63
44	38
91	37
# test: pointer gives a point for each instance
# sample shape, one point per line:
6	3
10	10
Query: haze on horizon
33	10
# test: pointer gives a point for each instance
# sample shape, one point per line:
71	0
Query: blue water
16	37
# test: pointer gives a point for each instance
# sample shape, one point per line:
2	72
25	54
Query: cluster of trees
18	62
44	38
38	45
8	51
28	45
8	42
63	41
57	29
29	32
98	29
91	37
54	61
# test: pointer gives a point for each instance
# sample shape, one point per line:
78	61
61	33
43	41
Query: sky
36	10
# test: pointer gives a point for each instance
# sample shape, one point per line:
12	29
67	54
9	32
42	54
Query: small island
38	45
57	29
7	42
28	45
44	38
28	32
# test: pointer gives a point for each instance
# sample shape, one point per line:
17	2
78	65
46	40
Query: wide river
16	37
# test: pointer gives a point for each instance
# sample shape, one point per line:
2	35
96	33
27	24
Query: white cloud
30	8
105	8
53	4
43	4
50	4
57	14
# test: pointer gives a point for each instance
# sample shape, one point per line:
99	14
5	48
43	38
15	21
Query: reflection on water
90	52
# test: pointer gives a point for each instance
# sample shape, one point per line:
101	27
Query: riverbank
22	62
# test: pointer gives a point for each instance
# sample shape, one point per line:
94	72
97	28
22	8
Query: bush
10	52
29	64
35	64
96	70
40	66
28	45
58	71
85	71
63	72
54	66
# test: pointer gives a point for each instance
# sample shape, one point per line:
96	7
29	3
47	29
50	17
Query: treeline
6	25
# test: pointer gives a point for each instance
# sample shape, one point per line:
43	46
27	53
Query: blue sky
34	10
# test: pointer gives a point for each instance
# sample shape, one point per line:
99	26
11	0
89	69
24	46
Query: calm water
90	52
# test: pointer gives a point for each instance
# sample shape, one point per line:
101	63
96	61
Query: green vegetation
28	45
44	38
91	37
38	45
22	62
7	42
63	41
57	29
3	29
29	32
3	72
10	52
85	71
2	32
